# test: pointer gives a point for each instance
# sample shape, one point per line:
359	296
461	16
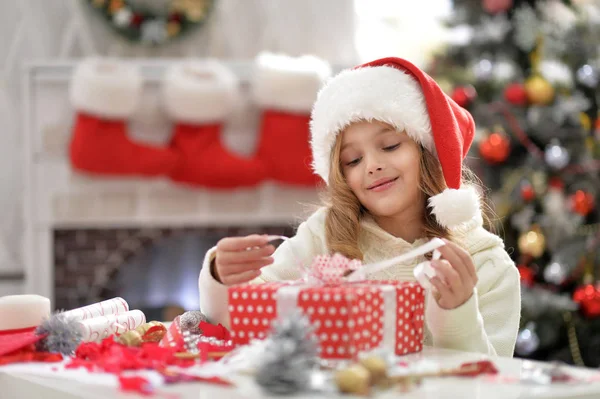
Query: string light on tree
532	242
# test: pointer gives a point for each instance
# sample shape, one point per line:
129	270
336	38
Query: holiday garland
141	25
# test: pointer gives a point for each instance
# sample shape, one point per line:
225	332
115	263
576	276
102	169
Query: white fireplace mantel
58	197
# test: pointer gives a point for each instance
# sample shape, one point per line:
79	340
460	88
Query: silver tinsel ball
588	76
189	321
483	70
63	335
556	156
527	340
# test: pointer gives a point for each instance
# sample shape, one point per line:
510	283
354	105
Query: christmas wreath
139	24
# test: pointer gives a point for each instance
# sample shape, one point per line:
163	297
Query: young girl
390	145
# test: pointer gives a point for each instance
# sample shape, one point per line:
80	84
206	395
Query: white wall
41	30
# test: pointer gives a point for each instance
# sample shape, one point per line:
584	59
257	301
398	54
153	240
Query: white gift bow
422	272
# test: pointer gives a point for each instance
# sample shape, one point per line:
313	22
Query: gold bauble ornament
173	28
377	368
532	242
539	90
354	379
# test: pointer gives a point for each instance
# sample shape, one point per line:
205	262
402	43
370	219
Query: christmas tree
529	73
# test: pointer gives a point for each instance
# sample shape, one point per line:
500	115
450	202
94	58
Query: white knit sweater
486	323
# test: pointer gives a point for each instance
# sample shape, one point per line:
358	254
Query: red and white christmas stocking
198	96
104	93
286	88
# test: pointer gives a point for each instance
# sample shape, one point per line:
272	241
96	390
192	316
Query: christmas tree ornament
63	334
588	76
495	148
527	340
556	273
496	6
285	88
464	95
588	298
527	275
582	202
377	368
522	219
527	191
190	321
516	94
199	96
556	156
354	379
483	70
532	242
539	90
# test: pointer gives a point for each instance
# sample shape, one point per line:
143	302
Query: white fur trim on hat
199	91
381	93
105	87
452	208
288	83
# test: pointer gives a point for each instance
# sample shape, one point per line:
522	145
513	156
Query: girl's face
381	167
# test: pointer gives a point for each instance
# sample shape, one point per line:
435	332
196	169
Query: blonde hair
342	223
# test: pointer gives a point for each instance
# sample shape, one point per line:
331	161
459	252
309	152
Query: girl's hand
239	259
455	276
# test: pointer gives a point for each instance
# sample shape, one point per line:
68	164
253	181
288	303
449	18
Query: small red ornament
527	275
582	202
515	94
464	95
588	298
175	17
495	149
496	6
137	20
527	192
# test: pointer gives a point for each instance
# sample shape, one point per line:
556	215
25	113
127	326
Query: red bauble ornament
527	275
495	148
527	192
515	94
588	298
496	6
137	20
582	202
464	95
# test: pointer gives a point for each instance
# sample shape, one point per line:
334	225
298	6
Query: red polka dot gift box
348	316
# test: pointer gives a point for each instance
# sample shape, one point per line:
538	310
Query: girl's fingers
241	278
233	244
246	255
230	270
448	275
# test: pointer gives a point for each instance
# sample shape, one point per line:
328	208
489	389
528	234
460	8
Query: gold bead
354	379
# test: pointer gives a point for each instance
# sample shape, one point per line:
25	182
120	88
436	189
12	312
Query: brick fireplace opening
153	269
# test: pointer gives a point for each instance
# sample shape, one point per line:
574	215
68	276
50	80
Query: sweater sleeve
289	257
489	321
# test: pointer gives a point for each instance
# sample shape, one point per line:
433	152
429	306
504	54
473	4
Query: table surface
16	382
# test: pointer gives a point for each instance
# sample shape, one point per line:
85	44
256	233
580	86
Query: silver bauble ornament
556	156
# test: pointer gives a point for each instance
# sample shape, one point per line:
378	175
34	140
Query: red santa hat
394	91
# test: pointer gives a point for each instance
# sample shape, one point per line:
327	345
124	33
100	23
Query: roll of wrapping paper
98	328
105	308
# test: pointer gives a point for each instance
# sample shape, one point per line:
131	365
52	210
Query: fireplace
154	269
90	238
